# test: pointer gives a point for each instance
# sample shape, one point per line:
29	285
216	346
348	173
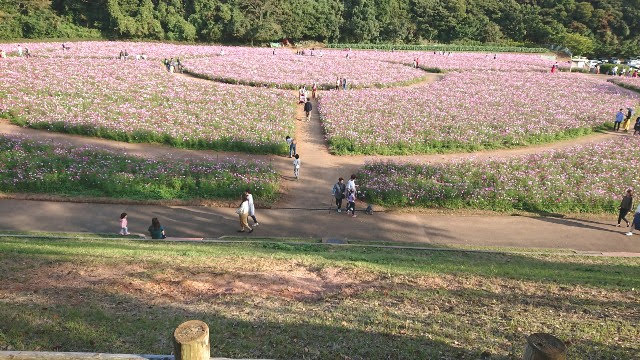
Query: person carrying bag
243	213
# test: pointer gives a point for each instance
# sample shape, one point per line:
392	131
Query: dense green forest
589	27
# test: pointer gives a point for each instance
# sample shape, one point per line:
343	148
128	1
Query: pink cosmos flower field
470	111
138	101
588	178
288	70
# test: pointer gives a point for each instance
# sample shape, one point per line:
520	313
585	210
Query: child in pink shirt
123	224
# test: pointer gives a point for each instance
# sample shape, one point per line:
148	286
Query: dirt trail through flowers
319	169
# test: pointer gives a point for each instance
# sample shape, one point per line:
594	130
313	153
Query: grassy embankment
283	300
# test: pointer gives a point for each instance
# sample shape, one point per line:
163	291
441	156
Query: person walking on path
124	229
344	83
625	206
618	121
351	198
351	184
156	230
627	120
243	213
338	192
296	166
635	224
252	207
314	90
338	82
307	109
292	146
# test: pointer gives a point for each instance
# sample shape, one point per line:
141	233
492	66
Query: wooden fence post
541	346
191	341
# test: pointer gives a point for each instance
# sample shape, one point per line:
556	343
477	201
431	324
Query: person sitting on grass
635	224
156	230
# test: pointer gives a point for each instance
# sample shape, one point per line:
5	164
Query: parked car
594	62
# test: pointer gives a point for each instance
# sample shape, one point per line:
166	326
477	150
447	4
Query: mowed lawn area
282	300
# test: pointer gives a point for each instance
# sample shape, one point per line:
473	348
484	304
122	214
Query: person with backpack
338	192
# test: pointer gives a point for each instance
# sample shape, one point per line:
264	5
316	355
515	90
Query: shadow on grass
122	324
604	273
99	320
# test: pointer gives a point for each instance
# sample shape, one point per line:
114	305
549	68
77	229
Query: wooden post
191	341
541	346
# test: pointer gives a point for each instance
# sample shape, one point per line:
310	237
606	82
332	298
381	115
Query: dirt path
593	234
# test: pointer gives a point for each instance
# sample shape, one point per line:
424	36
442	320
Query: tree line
590	27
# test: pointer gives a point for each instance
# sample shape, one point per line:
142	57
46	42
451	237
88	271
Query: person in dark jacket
635	224
307	109
625	207
636	127
338	192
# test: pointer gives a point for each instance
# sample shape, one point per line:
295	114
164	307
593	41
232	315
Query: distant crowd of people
615	71
20	52
124	55
173	65
245	211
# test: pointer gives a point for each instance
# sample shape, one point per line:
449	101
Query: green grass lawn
285	300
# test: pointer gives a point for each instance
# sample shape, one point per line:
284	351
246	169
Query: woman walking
243	213
625	207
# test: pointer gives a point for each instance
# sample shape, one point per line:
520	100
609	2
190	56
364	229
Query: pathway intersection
304	206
